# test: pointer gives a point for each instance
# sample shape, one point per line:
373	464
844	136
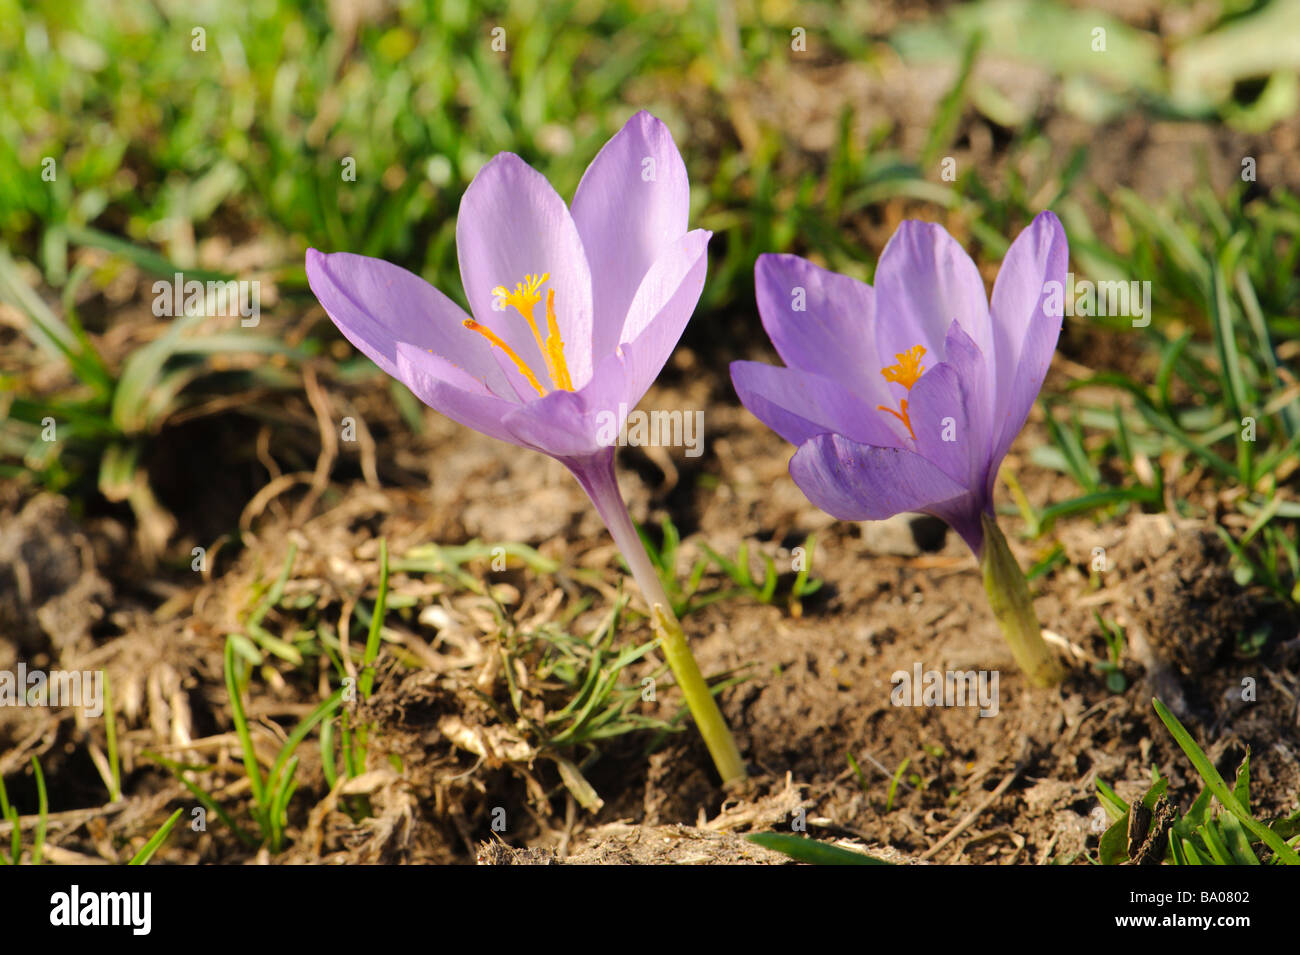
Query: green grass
271	788
9	813
1226	833
810	851
1225	296
685	593
157	840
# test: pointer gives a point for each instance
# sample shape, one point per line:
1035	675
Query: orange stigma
495	339
526	295
905	373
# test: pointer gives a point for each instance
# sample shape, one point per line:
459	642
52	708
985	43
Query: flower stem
597	478
1008	594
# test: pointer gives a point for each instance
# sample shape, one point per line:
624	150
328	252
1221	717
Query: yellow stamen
554	348
495	339
905	373
526	295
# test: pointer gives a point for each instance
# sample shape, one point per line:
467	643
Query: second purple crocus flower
907	396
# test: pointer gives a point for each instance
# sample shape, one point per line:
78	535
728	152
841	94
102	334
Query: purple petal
799	405
963	515
450	391
1025	331
832	334
661	308
560	424
378	305
631	204
938	411
924	282
857	482
512	224
949	411
568	424
612	389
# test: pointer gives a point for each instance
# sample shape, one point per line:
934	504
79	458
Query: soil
814	686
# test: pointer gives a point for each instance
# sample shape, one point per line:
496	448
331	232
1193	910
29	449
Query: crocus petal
799	405
631	204
1025	328
560	424
938	412
661	308
949	411
450	391
821	321
924	281
612	393
377	305
569	424
962	514
512	223
858	482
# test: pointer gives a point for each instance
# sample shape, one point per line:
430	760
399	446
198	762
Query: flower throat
523	299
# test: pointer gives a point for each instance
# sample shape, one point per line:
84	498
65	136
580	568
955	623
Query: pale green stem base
1008	594
598	480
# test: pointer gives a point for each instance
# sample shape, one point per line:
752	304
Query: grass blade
156	840
811	851
367	680
38	846
241	728
1220	789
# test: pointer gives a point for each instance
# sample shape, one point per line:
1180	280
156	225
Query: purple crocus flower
906	397
574	313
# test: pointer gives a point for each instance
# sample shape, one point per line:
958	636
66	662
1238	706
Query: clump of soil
1169	585
623	844
51	591
1190	607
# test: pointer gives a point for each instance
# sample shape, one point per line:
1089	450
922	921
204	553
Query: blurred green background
160	144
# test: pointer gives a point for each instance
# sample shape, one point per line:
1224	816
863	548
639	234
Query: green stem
597	479
1008	594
